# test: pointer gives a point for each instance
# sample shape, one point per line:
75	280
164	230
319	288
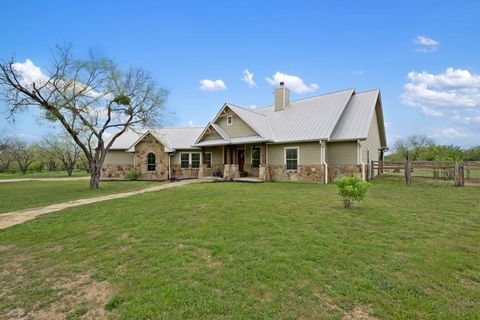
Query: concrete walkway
16	217
43	179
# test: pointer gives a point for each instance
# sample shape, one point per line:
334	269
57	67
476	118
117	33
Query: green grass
22	195
43	174
256	251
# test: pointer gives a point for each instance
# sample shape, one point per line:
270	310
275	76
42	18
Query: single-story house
316	139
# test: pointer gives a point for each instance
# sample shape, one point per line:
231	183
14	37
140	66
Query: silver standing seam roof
338	116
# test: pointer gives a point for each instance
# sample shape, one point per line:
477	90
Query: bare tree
62	148
6	156
91	98
24	154
412	147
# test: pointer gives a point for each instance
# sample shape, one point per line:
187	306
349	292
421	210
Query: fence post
468	170
459	178
372	169
408	172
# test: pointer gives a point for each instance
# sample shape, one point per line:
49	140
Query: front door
241	159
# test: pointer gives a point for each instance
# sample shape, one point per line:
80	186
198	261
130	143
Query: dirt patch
470	284
82	297
5	247
358	313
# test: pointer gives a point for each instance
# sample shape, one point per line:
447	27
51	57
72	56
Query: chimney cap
282	83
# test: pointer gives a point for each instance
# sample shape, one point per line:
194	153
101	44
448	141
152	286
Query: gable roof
171	138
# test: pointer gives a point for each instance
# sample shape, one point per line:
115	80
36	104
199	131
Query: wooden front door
241	159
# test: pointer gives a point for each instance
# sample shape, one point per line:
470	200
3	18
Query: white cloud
450	133
388	124
252	106
358	72
294	83
212	85
190	123
29	72
425	44
248	78
468	120
431	112
452	89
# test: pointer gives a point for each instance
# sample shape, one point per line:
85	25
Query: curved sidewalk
16	217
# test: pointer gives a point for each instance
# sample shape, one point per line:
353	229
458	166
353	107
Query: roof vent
282	97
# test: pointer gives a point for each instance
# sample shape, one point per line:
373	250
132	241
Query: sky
422	55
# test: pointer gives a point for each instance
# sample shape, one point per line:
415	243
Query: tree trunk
69	171
95	171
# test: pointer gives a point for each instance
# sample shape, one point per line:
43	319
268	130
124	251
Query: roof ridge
319	95
228	103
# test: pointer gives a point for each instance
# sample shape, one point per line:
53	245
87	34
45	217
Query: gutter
323	161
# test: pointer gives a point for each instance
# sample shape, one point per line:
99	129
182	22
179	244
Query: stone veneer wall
251	171
304	173
181	173
142	149
336	171
115	171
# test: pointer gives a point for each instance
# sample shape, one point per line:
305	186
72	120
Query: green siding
118	157
309	153
238	129
342	152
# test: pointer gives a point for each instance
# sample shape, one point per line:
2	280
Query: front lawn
22	195
251	251
43	174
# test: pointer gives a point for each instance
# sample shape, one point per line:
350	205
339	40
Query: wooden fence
457	171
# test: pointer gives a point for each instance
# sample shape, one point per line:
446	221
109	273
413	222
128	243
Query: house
316	139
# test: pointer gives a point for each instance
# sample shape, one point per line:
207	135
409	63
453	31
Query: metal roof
172	138
355	121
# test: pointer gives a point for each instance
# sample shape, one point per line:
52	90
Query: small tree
64	149
412	147
352	189
6	156
24	154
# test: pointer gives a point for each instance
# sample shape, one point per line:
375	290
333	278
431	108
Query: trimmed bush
133	175
351	189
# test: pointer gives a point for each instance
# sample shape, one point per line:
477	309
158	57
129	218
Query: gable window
208	159
229	120
291	158
184	160
151	162
195	160
255	157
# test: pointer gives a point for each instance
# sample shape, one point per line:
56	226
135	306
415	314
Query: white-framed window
208	159
292	158
255	157
151	162
229	120
184	160
195	160
191	160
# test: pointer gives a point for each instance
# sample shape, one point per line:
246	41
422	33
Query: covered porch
241	162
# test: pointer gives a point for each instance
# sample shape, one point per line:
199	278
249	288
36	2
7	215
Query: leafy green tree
352	189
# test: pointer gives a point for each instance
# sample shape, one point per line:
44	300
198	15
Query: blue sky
423	55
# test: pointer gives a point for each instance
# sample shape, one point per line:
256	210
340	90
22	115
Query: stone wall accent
250	170
115	171
142	149
184	173
304	173
336	171
264	172
231	172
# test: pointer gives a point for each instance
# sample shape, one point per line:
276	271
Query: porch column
263	154
224	155
201	169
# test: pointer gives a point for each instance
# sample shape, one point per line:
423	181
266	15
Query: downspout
323	161
359	158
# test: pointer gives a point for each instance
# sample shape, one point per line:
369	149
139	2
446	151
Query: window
255	157
229	120
291	158
208	159
151	162
184	160
195	160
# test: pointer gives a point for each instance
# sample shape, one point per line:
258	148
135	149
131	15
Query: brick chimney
282	100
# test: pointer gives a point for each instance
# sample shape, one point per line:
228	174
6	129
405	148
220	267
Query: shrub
132	175
114	303
351	189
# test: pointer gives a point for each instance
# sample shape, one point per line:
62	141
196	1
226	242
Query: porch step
248	179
